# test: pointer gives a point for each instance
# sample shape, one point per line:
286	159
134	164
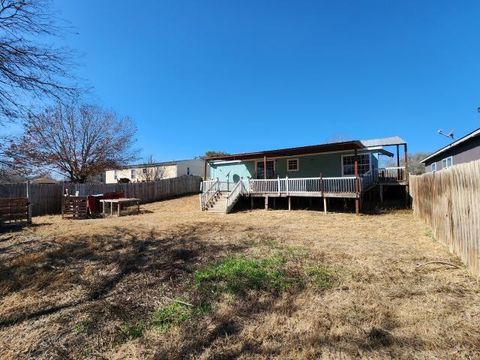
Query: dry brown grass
69	289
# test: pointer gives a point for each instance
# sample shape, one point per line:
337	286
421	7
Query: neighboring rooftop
467	137
153	164
320	148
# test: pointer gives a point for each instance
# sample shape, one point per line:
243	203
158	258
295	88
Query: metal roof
453	144
311	149
388	141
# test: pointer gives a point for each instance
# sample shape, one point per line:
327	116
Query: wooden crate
75	207
14	210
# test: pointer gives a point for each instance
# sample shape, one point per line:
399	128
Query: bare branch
30	69
77	141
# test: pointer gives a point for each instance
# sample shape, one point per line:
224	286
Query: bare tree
150	171
415	166
75	141
29	68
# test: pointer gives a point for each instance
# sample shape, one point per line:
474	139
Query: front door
270	169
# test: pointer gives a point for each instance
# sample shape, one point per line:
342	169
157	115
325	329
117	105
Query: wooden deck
348	187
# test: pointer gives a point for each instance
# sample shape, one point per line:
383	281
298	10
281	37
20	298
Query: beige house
156	171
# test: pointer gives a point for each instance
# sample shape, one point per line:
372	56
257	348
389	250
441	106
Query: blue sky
252	75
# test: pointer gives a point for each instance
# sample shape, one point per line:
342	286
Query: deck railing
232	198
346	185
391	174
302	185
209	189
340	185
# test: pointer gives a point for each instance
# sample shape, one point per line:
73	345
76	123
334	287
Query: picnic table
119	202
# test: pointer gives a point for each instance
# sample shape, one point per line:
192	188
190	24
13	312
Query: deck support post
251	202
266	202
265	167
289	203
406	161
381	193
407	194
357	185
325	204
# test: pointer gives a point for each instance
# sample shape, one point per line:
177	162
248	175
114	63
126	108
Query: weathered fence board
47	198
449	202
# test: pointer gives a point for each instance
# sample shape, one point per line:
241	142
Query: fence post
29	208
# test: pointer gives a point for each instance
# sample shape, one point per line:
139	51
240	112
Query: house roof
153	164
388	141
311	149
44	180
452	145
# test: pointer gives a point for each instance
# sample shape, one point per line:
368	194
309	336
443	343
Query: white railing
210	188
340	185
232	198
391	174
302	185
296	186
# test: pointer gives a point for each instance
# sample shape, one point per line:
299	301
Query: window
144	171
188	171
133	174
434	167
270	169
292	164
348	164
447	162
115	175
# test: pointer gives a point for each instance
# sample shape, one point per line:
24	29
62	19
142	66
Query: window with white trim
348	164
133	174
447	162
434	166
292	165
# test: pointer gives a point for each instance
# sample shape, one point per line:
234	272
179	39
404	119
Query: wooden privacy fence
47	198
44	198
449	202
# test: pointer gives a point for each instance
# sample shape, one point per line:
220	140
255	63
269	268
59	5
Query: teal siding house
347	169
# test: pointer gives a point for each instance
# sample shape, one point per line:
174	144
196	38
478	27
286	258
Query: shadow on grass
101	265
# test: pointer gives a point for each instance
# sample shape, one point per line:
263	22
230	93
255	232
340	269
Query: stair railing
232	198
209	193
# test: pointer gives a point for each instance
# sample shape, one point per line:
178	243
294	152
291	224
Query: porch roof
302	150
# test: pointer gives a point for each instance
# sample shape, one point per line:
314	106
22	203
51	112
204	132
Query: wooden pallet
75	207
14	210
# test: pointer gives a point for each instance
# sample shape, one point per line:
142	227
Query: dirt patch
97	288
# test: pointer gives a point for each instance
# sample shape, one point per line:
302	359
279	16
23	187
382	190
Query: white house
156	171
